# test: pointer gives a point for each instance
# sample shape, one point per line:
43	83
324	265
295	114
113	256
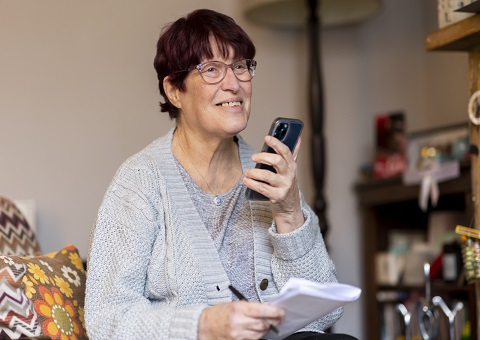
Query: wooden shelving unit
465	36
386	205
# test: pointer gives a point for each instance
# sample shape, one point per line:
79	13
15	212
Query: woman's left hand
280	187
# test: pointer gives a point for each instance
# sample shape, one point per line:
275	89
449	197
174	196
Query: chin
236	130
239	125
233	130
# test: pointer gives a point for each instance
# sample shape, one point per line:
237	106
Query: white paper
305	301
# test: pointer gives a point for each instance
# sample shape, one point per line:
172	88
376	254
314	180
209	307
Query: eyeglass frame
198	67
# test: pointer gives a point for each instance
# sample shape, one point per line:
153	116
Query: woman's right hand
238	320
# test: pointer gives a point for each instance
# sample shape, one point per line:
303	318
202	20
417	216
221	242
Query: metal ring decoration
474	108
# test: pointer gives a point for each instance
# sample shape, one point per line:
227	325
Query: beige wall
79	95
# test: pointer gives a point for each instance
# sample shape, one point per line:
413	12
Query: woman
175	230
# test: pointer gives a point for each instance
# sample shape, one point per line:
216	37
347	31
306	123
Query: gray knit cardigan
153	267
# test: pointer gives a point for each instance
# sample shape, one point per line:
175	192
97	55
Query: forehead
220	54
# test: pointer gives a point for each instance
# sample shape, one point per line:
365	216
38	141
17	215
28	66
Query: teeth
231	104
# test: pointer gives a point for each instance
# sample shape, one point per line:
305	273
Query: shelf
399	293
460	36
436	285
379	191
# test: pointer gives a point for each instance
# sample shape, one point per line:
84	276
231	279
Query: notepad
305	301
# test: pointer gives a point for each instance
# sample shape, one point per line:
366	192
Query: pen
240	296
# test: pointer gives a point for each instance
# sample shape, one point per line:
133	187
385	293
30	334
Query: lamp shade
294	13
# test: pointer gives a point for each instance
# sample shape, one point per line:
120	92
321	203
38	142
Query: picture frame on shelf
438	150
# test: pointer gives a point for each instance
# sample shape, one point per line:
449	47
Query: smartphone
287	131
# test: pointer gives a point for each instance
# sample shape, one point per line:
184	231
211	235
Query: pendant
217	200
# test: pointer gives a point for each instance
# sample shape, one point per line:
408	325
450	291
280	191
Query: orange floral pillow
55	282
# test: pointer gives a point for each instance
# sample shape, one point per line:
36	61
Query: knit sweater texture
153	267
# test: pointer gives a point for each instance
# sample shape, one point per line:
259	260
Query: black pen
241	297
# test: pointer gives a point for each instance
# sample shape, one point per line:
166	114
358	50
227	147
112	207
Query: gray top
230	227
153	266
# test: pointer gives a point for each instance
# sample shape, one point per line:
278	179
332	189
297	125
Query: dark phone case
290	139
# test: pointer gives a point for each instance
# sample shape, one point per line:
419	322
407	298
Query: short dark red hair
185	42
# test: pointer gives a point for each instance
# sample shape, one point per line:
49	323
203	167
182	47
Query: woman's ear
171	92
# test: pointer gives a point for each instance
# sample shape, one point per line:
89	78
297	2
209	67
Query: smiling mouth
230	104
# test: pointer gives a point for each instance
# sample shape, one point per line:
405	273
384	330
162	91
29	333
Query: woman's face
220	110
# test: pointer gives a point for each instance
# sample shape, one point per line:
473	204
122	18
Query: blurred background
78	95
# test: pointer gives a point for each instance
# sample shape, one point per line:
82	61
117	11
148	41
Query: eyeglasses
213	72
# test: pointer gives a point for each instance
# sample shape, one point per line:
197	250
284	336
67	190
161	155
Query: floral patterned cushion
55	282
17	314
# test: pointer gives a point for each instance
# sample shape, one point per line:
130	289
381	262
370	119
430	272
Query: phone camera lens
281	131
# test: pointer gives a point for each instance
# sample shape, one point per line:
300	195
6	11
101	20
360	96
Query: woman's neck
213	163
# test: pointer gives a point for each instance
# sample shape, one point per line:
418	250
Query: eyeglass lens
215	71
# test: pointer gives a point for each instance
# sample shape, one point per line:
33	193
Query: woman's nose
230	82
